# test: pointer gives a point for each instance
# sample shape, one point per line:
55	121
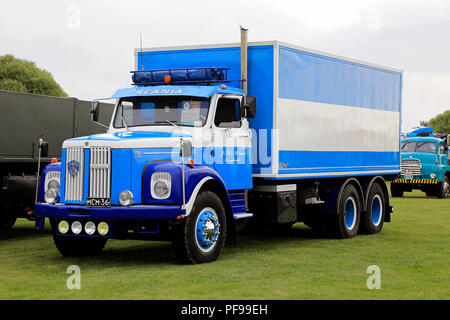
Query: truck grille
74	174
412	166
100	173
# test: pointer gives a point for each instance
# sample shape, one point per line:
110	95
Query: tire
372	220
444	188
79	247
396	191
7	219
191	244
349	213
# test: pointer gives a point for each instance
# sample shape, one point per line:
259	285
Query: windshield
419	146
148	111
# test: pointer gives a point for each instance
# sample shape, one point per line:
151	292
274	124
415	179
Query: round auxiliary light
76	227
63	227
103	228
161	188
126	198
51	196
432	176
89	228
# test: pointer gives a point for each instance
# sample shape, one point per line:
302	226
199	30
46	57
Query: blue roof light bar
181	76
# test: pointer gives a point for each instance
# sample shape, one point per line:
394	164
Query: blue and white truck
188	158
425	164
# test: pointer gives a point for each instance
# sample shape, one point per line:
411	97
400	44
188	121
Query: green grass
413	253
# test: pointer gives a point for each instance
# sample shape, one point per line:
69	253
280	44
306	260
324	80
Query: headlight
126	198
89	228
103	228
51	196
161	188
54	184
432	176
63	226
76	227
52	180
161	184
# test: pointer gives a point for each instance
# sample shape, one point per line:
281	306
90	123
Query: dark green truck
26	118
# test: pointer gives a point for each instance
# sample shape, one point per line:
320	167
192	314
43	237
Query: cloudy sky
88	45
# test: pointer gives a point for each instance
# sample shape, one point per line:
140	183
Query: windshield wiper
169	122
124	122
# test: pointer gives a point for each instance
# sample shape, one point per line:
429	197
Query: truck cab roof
176	90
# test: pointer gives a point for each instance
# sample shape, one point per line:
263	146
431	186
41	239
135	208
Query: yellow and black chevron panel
416	181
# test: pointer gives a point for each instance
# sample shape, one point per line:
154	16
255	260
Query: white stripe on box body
314	126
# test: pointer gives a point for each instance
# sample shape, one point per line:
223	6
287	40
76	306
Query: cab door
232	141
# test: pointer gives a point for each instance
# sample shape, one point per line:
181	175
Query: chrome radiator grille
411	167
74	174
100	172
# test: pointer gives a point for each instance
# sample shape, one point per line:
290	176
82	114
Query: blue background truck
425	164
189	156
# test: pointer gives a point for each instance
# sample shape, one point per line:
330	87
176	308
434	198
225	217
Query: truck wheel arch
382	182
358	187
210	184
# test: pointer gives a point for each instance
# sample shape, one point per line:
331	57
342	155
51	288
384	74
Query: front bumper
138	212
416	181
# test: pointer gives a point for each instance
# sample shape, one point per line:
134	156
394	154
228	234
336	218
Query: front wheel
78	247
201	236
444	188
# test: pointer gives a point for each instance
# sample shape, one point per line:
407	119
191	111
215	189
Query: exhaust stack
244	45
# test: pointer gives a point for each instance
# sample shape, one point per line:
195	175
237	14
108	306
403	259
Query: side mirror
186	148
95	111
250	107
43	146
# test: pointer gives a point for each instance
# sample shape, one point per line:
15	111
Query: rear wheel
444	188
349	213
201	236
396	190
372	220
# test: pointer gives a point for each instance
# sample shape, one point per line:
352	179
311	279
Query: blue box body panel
318	115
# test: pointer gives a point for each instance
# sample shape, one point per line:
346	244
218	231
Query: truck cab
425	164
174	150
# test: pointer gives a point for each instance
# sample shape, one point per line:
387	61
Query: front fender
51	167
195	177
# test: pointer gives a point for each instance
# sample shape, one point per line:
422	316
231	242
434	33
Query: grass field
413	253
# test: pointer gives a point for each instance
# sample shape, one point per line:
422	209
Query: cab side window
441	149
228	113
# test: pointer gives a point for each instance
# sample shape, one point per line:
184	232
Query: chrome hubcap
207	229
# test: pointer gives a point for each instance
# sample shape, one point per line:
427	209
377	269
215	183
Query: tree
441	123
24	76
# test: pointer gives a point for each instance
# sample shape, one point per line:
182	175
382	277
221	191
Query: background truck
188	155
425	164
25	119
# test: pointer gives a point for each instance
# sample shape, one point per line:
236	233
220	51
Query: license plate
98	202
408	174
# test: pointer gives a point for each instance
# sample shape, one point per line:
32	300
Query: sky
88	45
